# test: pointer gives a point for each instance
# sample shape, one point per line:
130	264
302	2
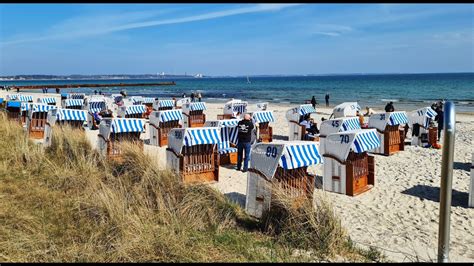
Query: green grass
67	204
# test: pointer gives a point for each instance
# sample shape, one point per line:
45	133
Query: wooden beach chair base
433	136
196	119
228	158
198	164
296	182
224	116
393	140
265	133
37	125
360	173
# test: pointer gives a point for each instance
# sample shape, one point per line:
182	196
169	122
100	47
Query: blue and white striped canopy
148	100
197	106
229	122
13	96
25	98
228	136
200	136
351	124
170	115
166	103
239	107
306	109
73	102
42	107
97	106
137	99
48	100
71	115
430	113
398	118
25	106
263	116
135	109
296	155
123	125
77	96
365	140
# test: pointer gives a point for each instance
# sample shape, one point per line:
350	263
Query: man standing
389	107
244	136
327	99
440	119
192	96
313	102
199	96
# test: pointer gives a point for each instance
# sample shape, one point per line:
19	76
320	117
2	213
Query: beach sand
400	214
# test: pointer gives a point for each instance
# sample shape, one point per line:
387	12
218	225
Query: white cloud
88	26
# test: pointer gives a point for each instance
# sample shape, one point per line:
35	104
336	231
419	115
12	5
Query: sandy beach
400	214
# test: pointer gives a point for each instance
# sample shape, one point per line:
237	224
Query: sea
406	91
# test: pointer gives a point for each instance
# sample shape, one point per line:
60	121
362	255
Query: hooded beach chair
132	111
59	117
262	119
14	110
420	123
226	149
47	100
165	104
262	106
114	131
182	101
348	168
346	109
192	153
337	125
161	123
81	96
294	117
232	108
94	105
72	104
36	121
282	163
194	114
390	131
148	101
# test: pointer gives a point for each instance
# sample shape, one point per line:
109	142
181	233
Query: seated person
97	119
148	111
310	126
369	112
361	119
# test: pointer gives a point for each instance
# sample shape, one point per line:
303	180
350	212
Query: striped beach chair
348	168
390	128
73	104
191	153
346	109
114	131
194	114
36	121
47	100
331	126
132	111
426	133
165	104
226	149
80	96
161	123
148	101
14	110
283	164
92	106
233	108
59	117
294	116
264	130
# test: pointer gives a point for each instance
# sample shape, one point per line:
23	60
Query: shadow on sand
459	199
280	137
462	166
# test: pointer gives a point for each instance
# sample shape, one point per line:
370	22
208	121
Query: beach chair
161	123
72	104
294	116
47	100
148	101
346	109
424	133
262	106
2	103
161	105
64	96
36	121
331	126
59	117
194	114
132	111
137	100
182	101
284	164
14	110
262	120
115	131
94	105
192	154
226	149
80	96
232	107
390	128
348	168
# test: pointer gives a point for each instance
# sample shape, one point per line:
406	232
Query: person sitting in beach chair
311	128
369	112
97	119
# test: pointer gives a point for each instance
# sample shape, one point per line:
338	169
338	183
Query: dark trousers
440	128
241	146
327	103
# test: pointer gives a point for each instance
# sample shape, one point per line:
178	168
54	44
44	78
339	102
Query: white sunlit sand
400	214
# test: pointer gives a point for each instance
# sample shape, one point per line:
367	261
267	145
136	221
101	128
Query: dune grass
67	204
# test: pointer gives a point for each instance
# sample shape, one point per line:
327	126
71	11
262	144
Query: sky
235	39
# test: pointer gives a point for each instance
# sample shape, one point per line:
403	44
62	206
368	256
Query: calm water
407	91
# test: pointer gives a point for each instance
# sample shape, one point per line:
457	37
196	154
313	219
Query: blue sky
235	39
